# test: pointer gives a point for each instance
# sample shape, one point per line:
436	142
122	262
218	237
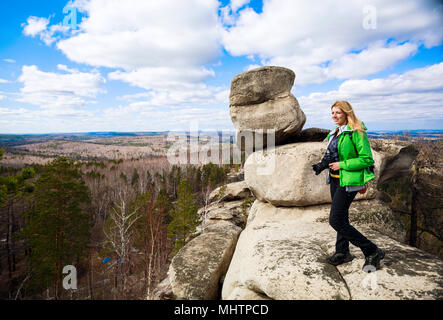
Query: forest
118	222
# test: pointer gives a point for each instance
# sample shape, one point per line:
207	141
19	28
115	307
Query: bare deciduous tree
118	232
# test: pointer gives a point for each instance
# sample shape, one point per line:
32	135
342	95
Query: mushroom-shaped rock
262	106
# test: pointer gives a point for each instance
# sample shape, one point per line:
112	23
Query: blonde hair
352	119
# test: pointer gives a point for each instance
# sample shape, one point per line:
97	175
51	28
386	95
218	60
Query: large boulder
260	104
398	157
274	119
196	270
283	175
282	255
260	85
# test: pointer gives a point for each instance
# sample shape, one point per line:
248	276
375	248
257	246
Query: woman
348	157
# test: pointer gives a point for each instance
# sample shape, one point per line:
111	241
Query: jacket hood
363	125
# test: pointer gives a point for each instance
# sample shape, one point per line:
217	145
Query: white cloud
52	33
408	97
9	112
173	86
138	34
39	26
21	120
2	97
164	77
4	80
134	96
201	95
65	68
9	60
376	58
321	40
34	26
68	112
420	80
161	46
226	15
229	13
141	116
58	90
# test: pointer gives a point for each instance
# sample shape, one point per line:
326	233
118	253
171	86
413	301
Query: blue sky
165	65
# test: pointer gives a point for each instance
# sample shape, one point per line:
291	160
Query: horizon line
182	131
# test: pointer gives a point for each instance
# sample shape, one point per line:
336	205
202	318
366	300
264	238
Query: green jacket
354	169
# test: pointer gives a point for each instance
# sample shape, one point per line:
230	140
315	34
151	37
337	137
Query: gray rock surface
260	85
280	118
231	191
229	211
399	156
196	270
236	176
282	254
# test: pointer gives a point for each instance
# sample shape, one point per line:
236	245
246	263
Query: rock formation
197	269
277	248
261	100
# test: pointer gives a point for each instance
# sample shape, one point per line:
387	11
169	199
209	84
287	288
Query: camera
319	167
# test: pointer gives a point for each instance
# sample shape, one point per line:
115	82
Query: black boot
372	262
340	258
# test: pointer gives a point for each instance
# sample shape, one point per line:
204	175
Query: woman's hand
334	166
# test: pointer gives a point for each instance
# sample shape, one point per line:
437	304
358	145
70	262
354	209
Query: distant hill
10	140
383	134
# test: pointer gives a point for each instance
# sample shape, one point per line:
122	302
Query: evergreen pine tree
184	216
163	205
57	227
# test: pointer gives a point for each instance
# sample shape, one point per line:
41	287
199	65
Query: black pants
339	220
